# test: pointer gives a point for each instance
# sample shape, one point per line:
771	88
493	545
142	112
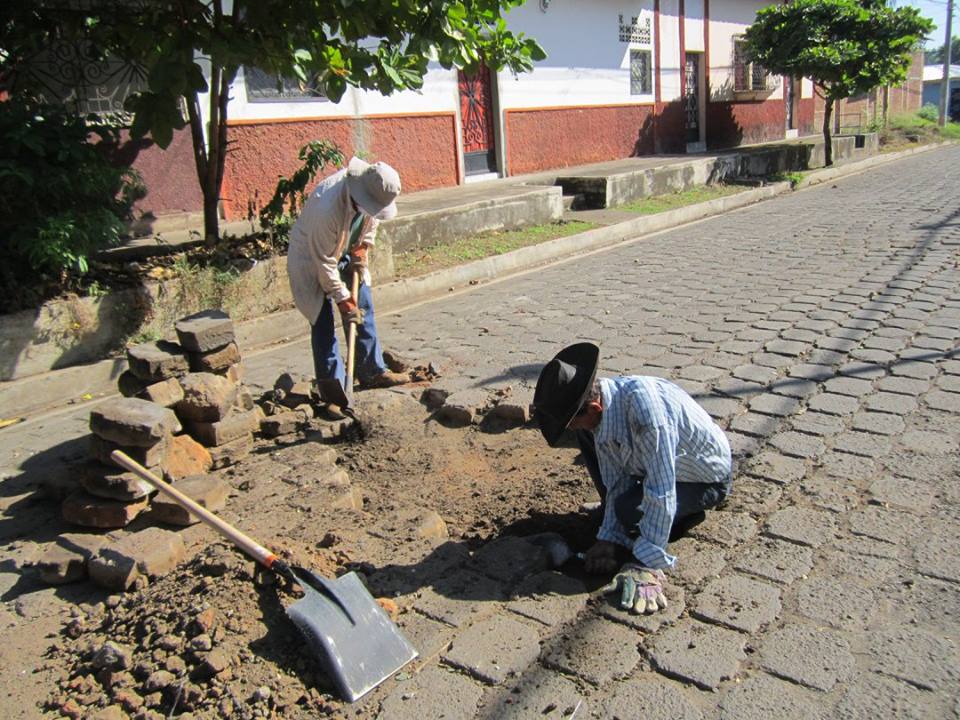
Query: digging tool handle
254	549
352	331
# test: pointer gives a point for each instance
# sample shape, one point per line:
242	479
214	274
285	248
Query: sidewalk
37	394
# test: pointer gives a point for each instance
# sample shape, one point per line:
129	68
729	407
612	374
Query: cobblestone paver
821	330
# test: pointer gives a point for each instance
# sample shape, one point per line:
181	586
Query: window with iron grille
270	87
747	76
640	75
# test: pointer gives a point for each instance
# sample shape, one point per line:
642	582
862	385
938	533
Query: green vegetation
421	261
794	178
915	129
699	194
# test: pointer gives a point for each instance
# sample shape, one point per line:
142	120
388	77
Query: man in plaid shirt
657	458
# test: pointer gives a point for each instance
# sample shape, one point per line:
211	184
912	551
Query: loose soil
218	610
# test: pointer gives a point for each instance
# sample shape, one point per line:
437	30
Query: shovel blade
357	643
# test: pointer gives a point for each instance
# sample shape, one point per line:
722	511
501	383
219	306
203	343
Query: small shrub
279	215
61	200
929	112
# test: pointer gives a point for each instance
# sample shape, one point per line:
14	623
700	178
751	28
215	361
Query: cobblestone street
821	330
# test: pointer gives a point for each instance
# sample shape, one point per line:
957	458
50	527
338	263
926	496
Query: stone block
739	603
838	602
878	422
206	397
282	423
696	560
833	404
550	598
235	373
700	654
166	393
208	491
756	497
231	452
777	468
186	457
511	412
245	399
862	443
726	528
884	524
775	560
597	651
817	423
152	552
132	421
776	405
929	442
434	693
762	696
129	384
937	554
205	331
802	525
649	624
66	560
917	496
816	657
648	696
755	424
215	361
927	660
871	696
430	526
434	397
148	456
888	402
459	598
235	426
798	445
114	484
510	559
538	695
156	361
81	508
494	649
463	407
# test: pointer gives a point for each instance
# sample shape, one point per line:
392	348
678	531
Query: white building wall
729	19
586	63
693	25
670	50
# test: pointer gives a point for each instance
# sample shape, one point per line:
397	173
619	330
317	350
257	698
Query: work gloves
640	588
349	312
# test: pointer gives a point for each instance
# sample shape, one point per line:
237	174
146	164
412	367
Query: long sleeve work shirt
317	242
652	432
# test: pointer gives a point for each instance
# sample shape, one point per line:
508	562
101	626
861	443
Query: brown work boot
386	379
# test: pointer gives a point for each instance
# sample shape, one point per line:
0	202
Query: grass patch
904	131
662	203
421	261
794	178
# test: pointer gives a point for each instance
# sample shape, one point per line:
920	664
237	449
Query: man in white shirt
655	456
330	239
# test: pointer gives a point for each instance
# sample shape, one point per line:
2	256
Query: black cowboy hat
562	387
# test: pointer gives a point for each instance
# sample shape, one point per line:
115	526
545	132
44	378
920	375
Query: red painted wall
741	123
170	175
421	147
548	138
805	116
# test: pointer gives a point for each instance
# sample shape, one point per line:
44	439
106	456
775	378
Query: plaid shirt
651	431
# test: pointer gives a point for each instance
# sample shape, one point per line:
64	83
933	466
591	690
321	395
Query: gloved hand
349	312
358	259
641	589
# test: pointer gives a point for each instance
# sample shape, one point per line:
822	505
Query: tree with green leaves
190	51
846	47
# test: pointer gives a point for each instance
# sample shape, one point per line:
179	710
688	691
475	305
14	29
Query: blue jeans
327	362
692	498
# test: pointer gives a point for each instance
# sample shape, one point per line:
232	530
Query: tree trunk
827	140
208	181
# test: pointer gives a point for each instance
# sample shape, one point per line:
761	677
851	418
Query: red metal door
476	117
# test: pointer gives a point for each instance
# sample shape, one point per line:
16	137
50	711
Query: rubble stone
206	397
129	384
216	361
132	421
81	508
231	452
207	490
462	408
156	361
66	560
148	456
234	373
233	427
205	331
166	393
282	423
186	457
114	484
152	552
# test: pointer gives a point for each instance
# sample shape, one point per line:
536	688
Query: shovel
356	642
330	389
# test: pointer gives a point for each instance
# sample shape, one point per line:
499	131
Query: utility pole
945	85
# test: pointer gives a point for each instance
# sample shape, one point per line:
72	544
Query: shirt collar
604	431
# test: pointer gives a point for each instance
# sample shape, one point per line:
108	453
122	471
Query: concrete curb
38	394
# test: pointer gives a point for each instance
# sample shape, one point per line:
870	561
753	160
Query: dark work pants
692	498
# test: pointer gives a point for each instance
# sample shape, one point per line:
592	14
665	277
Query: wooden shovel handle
254	549
352	331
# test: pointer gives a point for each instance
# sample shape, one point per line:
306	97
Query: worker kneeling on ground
331	239
656	457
